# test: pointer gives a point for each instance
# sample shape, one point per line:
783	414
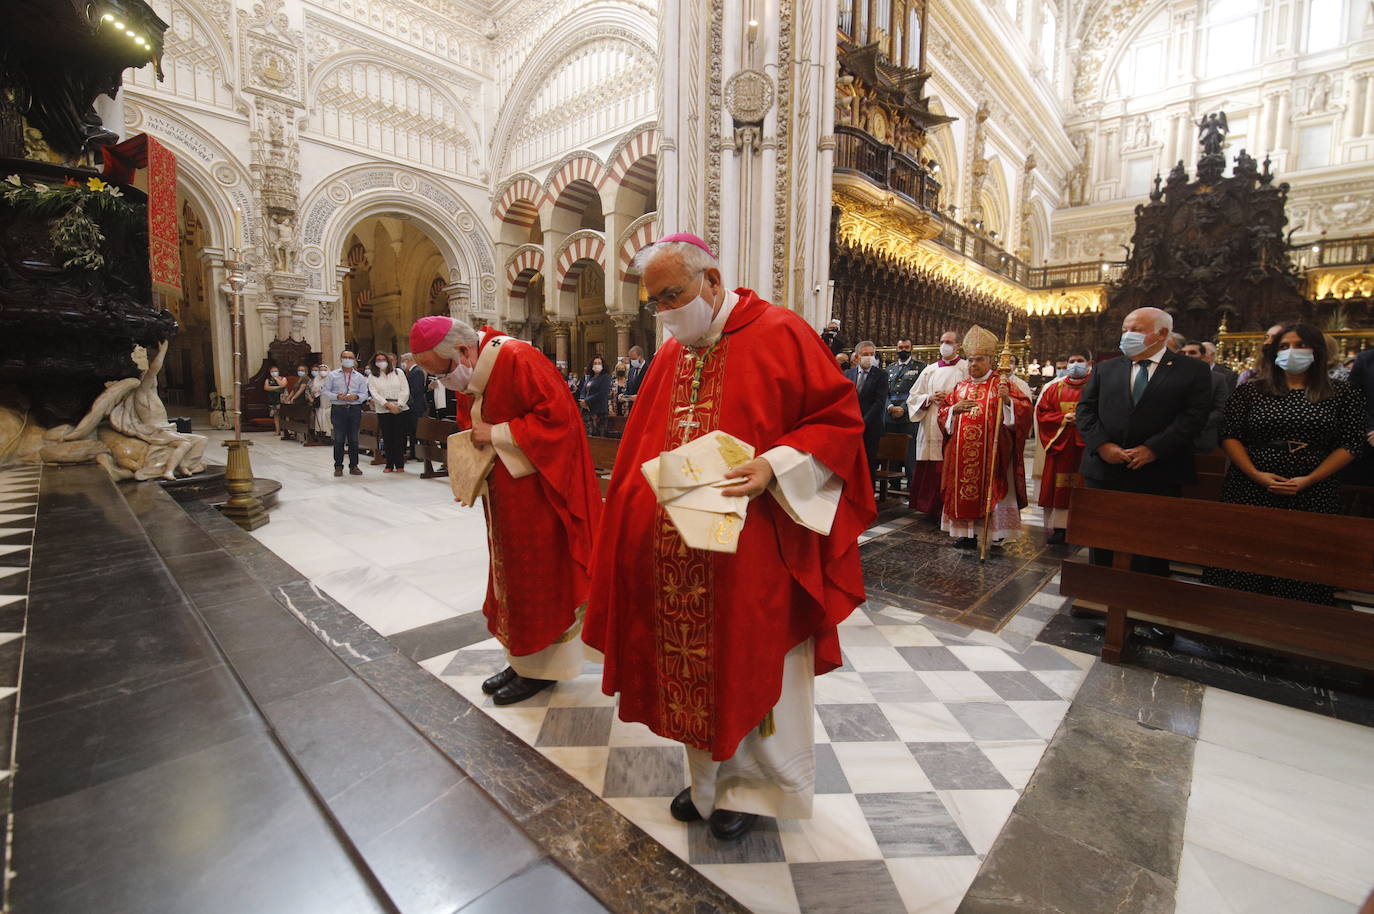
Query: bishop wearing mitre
542	501
987	420
743	484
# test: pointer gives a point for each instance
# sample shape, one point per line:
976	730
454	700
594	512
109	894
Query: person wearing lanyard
346	392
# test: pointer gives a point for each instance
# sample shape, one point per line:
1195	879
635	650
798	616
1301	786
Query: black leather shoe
682	807
966	542
518	689
1056	537
731	826
492	685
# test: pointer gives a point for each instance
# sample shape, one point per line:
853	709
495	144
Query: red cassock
1062	441
539	527
967	460
694	640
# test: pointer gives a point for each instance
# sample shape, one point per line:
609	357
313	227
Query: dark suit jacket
1167	420
635	377
596	390
1210	438
1362	378
1228	375
873	405
419	391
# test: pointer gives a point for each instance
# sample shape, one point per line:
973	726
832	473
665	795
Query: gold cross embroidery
691	470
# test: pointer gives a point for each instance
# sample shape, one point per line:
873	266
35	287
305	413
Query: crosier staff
1003	391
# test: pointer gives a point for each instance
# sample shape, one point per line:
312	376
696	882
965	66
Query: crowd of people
1290	426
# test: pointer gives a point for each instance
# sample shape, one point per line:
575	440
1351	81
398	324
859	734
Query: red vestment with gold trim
694	640
967	460
539	527
1062	441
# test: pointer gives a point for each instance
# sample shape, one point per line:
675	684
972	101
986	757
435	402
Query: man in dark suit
1210	439
418	403
639	367
1139	417
1361	472
870	381
832	337
1228	374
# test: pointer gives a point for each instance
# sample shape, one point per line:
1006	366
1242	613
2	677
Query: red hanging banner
164	255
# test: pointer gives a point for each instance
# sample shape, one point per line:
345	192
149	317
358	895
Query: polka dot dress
1259	420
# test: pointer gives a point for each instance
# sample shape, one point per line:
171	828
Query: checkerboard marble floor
925	739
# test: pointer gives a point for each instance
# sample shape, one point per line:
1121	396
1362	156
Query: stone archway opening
188	373
396	275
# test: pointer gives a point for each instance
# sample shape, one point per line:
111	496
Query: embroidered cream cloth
687	481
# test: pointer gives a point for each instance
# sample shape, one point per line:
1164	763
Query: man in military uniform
901	375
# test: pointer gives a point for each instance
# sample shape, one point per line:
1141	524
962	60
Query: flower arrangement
75	211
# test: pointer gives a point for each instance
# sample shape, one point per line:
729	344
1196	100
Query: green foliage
77	215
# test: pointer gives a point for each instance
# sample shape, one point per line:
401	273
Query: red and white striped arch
585	168
519	203
582	247
635	164
638	238
524	263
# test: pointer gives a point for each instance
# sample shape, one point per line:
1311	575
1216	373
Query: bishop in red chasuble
719	650
1056	414
542	501
983	409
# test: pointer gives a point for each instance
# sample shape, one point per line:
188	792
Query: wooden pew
892	449
295	419
603	458
369	435
1317	548
431	443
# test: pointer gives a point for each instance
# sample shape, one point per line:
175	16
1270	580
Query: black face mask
903	354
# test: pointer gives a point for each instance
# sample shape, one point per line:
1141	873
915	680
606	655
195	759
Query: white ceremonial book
687	481
468	467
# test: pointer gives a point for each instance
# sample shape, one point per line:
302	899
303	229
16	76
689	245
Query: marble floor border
622	866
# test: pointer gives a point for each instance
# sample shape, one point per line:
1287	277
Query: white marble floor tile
818	728
880	768
383	600
523	722
437	664
856	618
7	600
1065	683
6	518
877	660
1312	742
7	550
977	657
1213	883
841	689
1015	759
312	554
763	888
1043	717
933	885
11	572
629	733
458	579
924	722
909	636
980	814
837	830
415	542
586	763
582	692
1300	826
652	815
951	685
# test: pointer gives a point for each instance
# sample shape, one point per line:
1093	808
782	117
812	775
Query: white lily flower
113	191
41	188
14	179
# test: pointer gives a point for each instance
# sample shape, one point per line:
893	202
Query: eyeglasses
667	298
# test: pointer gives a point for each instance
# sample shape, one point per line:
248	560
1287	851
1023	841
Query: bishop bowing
1056	419
718	649
542	501
987	420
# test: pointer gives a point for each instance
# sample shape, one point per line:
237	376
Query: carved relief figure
284	246
1140	135
1076	183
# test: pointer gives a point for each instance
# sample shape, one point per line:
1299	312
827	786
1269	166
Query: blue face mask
1132	344
1294	361
1061	372
1078	369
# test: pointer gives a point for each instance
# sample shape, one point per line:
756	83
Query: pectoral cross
689	423
700	364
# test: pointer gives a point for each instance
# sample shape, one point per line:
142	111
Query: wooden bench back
603	452
892	446
1319	548
435	431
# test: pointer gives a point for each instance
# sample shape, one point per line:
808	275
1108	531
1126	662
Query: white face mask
314	374
274	374
637	363
946	350
457	379
300	372
596	369
346	363
381	366
690	323
866	362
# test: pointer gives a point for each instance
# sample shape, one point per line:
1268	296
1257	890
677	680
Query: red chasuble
1062	440
966	451
694	640
539	527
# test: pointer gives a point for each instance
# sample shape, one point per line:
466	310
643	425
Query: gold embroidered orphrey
683	577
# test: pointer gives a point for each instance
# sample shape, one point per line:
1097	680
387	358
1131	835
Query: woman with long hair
1288	432
390	396
595	396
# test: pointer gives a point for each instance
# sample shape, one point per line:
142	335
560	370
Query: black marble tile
56	599
228	829
7	711
214	577
352	640
1114	785
1033	869
169	528
1148	698
957	766
913	825
441	637
848	887
855	723
10	653
449	853
12	615
129	731
387	796
292	662
542	887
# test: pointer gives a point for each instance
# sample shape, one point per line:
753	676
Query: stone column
459	300
1281	125
328	344
561	331
515	329
624	323
745	159
221	320
1368	128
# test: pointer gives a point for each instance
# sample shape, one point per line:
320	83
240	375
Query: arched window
1231	32
1325	21
1142	67
913	37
